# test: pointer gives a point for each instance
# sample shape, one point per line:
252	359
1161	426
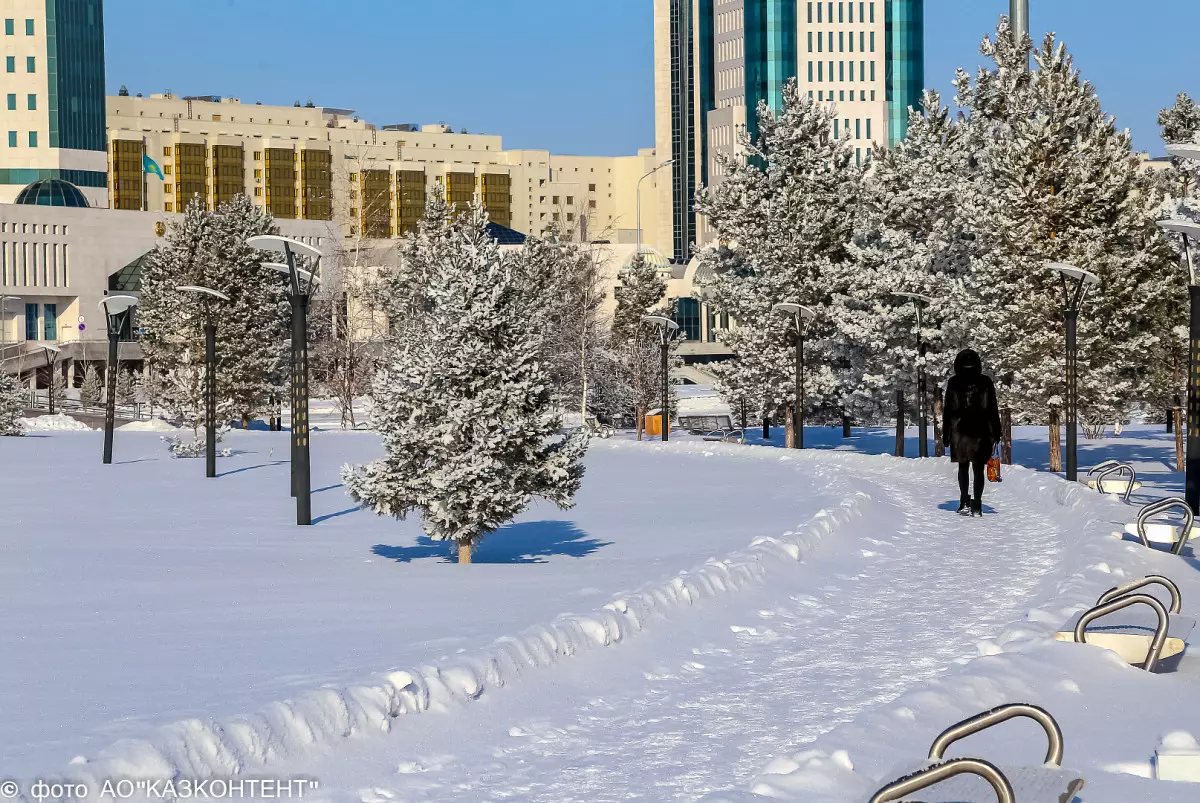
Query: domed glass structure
52	192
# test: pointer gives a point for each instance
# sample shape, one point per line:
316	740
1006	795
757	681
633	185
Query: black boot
977	508
964	507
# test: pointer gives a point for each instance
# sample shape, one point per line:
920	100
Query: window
872	13
810	72
554	200
258	192
687	315
591	188
868	131
50	322
820	7
30	64
29	27
168	188
841	12
168	206
258	156
10	64
8	27
33	139
12	139
12	102
858	128
841	41
810	45
167	151
570	217
570	200
591	204
31	321
872	78
872	41
166	170
820	71
810	14
33	103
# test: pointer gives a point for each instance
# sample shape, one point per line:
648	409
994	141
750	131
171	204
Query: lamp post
801	316
920	301
1073	294
51	353
117	310
210	374
667	329
639	200
1192	459
301	285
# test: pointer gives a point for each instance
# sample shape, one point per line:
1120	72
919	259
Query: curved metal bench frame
1160	631
1117	470
1148	580
989	772
1103	466
1054	736
1162	506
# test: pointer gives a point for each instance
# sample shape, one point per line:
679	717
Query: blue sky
568	76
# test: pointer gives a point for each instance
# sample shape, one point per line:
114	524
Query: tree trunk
1056	458
245	421
1006	440
464	552
766	428
1170	419
938	401
745	420
846	433
1177	421
899	423
641	420
789	427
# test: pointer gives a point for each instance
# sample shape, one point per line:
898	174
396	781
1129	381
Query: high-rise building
716	60
52	88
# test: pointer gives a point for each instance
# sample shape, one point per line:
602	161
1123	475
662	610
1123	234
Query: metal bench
1151	637
1107	479
726	436
1170	535
968	779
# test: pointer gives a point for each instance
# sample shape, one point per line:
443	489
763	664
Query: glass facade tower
905	63
75	71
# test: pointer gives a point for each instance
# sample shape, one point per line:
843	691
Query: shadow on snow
528	542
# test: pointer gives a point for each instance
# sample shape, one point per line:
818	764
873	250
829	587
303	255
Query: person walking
970	426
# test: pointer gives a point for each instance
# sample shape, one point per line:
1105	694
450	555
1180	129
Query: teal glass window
841	41
858	128
841	71
841	12
810	72
12	101
50	322
687	315
862	41
872	78
12	139
851	10
8	27
858	156
10	64
31	64
33	103
872	41
868	128
810	13
820	71
820	14
75	74
33	139
29	27
852	72
836	133
872	14
810	42
31	322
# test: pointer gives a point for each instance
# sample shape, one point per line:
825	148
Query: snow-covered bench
968	779
1173	536
1109	480
1151	637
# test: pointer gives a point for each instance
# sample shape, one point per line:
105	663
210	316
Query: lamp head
1085	277
281	245
115	305
659	320
208	291
1185	150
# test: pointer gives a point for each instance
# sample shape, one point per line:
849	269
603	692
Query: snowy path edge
281	730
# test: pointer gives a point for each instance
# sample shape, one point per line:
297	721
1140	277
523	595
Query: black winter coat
971	418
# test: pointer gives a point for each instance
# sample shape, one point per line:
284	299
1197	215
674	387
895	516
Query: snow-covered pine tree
636	345
209	249
913	237
787	209
1060	184
1180	122
91	390
12	406
463	403
126	388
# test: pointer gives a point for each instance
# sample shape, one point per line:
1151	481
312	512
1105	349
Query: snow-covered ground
864	619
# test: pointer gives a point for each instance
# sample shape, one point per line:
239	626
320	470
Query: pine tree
208	249
91	390
463	403
12	406
1059	183
126	388
913	238
637	346
1180	122
787	211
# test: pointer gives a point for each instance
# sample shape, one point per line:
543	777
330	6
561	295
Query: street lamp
1192	461
667	329
51	353
210	374
801	316
639	200
117	310
923	436
1072	301
301	285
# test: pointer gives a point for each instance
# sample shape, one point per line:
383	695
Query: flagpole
145	181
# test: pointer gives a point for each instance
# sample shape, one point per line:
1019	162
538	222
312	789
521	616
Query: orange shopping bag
993	467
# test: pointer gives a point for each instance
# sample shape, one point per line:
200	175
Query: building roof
129	278
52	192
504	235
